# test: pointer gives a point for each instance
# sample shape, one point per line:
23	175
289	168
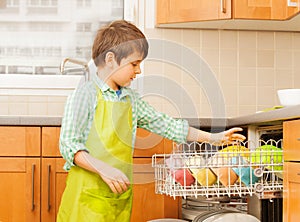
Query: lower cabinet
291	200
32	179
19	189
30	189
52	187
291	170
147	205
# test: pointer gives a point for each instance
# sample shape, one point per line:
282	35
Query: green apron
87	198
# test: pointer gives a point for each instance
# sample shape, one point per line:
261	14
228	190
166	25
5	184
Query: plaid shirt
79	114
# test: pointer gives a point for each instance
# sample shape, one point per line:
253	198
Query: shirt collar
101	84
104	87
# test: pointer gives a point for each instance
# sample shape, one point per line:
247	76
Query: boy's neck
104	75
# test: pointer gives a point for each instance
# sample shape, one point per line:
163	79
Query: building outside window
36	35
84	3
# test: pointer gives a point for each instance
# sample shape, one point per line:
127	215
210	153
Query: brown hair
120	37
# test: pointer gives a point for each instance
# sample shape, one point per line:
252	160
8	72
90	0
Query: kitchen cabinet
291	186
53	179
20	141
171	11
291	169
32	170
19	189
20	174
147	205
229	14
291	142
264	9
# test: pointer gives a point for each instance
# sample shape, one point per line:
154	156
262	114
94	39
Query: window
84	27
82	52
44	32
84	3
43	3
12	3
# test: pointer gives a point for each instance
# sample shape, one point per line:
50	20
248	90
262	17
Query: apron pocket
109	206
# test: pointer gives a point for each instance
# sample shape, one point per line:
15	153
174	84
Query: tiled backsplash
35	95
249	65
32	105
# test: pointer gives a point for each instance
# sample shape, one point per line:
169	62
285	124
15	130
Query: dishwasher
237	182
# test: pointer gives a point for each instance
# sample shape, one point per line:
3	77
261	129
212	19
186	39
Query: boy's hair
120	37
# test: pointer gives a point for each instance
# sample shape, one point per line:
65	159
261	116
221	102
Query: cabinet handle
49	171
292	4
32	189
223	6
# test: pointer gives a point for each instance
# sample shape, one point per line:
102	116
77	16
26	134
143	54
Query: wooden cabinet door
50	141
264	9
148	143
20	189
147	205
53	185
291	140
292	9
173	11
20	141
291	192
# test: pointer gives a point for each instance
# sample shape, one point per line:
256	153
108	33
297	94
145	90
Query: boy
99	126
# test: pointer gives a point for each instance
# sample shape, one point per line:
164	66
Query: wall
40	105
249	66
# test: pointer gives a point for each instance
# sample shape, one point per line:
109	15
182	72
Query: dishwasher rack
205	170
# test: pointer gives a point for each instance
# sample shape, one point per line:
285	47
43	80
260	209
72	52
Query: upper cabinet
229	14
265	9
174	11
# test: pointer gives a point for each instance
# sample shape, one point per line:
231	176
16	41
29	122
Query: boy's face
126	72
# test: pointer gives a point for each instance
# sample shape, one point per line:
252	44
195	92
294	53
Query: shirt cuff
185	130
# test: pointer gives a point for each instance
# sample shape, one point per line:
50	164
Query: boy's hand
114	178
227	137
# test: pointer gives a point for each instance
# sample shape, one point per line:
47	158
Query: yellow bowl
204	176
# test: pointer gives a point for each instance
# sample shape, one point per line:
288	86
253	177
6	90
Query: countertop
261	118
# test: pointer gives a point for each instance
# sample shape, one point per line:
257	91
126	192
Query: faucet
85	68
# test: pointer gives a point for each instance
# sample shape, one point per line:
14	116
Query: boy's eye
134	64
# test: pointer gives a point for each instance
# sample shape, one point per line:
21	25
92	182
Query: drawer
50	141
291	140
20	141
292	172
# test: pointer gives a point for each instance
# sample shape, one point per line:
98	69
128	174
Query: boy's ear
109	59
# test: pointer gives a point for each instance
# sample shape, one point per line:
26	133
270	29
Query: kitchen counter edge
261	118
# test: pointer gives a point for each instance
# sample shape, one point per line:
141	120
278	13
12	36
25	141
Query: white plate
231	217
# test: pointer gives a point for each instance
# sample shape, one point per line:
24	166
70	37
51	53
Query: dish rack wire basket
208	170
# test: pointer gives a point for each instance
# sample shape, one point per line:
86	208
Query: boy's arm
225	137
178	129
74	123
113	177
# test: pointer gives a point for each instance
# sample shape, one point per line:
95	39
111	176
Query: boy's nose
137	70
